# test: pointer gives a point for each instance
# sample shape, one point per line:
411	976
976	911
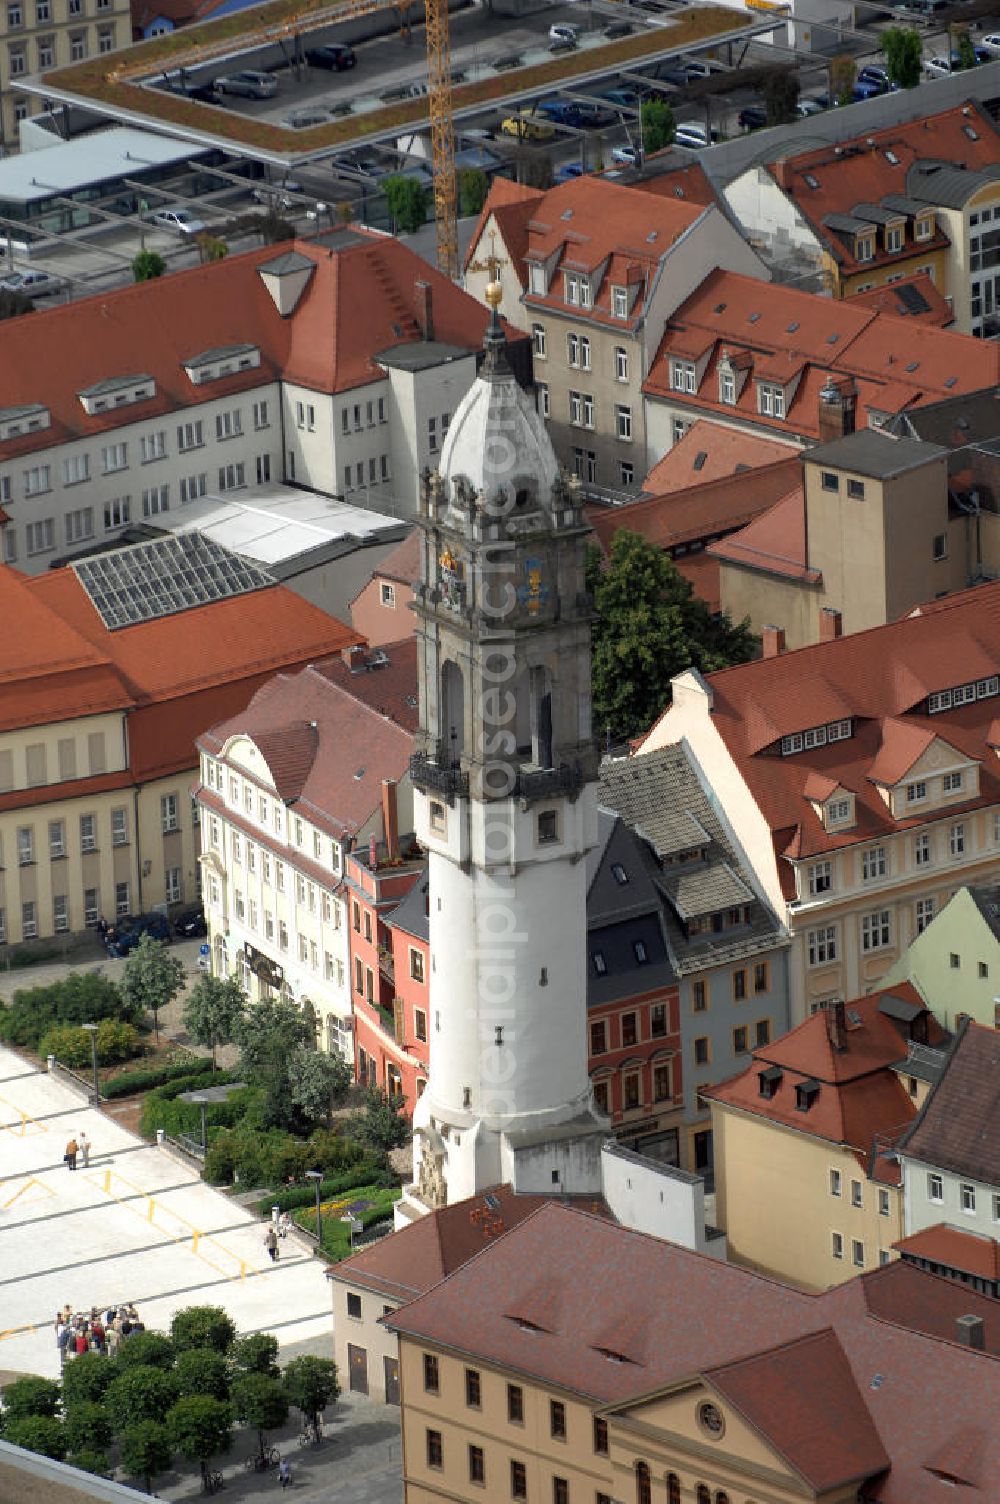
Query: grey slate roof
622	914
655	794
944	183
706	890
973	418
878	455
958	1127
987	901
410	915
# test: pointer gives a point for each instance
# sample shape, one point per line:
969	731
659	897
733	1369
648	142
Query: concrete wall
654	1198
28	1475
949	989
364	1335
770	600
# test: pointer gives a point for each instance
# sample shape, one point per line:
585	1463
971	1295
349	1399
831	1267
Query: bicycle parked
259	1462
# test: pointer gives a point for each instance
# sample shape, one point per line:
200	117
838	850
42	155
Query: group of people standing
78	1147
94	1333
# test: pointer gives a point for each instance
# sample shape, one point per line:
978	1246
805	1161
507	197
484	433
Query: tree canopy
270	1033
781	95
903	50
407	200
202	1326
146	1451
649	626
151	977
318	1082
311	1384
658	124
211	1010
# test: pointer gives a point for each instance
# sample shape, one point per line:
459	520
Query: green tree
211	1009
211	248
648	626
966	50
843	71
473	186
140	1394
201	1370
781	96
318	1083
148	265
311	1384
151	978
146	1451
202	1326
903	50
86	1379
145	1350
13	304
658	124
37	1433
407	201
91	1460
382	1124
269	1033
30	1396
261	1402
88	1425
200	1427
256	1353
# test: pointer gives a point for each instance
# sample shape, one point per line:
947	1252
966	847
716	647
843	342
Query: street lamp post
92	1031
316	1176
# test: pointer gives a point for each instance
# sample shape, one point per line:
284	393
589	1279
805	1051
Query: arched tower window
703	1494
721	1497
541	718
452	723
643	1488
673	1489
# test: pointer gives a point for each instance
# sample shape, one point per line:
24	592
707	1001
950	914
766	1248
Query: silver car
33	283
249	83
181	221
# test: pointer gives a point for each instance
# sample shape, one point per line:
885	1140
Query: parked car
626	156
753	117
618	29
693	136
567	172
528	126
564	33
807	107
334	55
870	82
276	195
699	68
248	83
124	935
181	221
990	43
33	283
191	923
561	111
622	99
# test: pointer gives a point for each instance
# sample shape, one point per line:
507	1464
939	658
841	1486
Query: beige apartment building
106	685
877	526
859	775
40	35
602	268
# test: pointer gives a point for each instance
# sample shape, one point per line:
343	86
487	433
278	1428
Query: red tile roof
886	672
801	339
360	300
835	179
774	542
892	299
512	205
860	1096
401	564
354	745
683	1315
800	1396
390	687
954	1248
709	451
701	511
678	179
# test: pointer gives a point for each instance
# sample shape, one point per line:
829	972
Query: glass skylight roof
164	576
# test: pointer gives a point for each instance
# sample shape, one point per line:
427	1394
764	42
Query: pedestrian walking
271	1244
284	1472
284	1223
84	1146
72	1149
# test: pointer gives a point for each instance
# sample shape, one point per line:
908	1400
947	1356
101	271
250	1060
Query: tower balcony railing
438	775
542	783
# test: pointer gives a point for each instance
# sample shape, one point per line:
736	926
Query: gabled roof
511	205
385	679
958	1128
401	564
709	451
903	743
360	298
802	1396
869	676
954	1248
773	543
886	364
913	297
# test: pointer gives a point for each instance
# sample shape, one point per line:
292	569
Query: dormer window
29	419
839	811
768	1081
923	228
816	736
619	302
894	237
963	694
537	281
727	386
117	391
864	247
571	289
770	400
682	376
215	365
805	1095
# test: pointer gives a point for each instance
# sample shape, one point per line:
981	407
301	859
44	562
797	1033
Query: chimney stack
773	639
836	411
970	1331
782	173
831	624
836	1025
390	818
353	656
425	309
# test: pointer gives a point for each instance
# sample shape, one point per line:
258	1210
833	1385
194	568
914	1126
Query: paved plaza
136	1225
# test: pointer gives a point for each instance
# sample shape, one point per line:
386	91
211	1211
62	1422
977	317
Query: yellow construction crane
442	135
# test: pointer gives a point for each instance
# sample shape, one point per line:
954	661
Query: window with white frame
626	477
925	913
967	1198
956	839
114	457
573	349
873	863
682	376
837	1245
963	694
894	238
543	399
951	783
539	346
229	425
40	537
76	469
876	930
576	408
172	885
571	289
588	410
119	827
621	363
155	499
37	480
29	920
152	446
935	1188
770	400
57	839
193	486
91	912
838	811
232	477
584	353
915	792
260	417
168	813
820	877
118	512
305	416
79	525
623	422
190	435
727	387
619	302
88	833
922	849
822	945
836	1183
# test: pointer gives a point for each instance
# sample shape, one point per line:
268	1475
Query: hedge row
364	1175
162	1110
131	1082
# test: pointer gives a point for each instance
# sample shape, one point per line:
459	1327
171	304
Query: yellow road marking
26	1118
27	1185
161	1218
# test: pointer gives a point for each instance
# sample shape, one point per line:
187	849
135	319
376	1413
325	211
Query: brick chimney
390	818
836	1026
773	640
970	1331
425	309
836	411
781	171
831	624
